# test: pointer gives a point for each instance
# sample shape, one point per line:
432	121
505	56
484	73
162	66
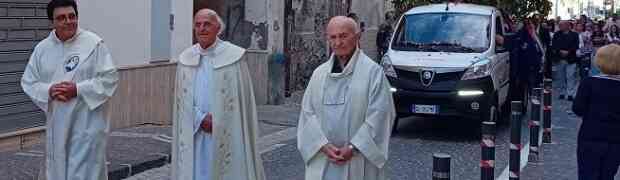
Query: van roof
454	8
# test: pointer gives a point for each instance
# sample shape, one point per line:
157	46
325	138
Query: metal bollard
487	161
515	141
547	97
534	125
441	166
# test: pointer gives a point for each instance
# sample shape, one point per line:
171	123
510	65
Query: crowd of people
562	50
583	57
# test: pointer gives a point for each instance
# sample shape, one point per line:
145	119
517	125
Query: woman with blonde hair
598	142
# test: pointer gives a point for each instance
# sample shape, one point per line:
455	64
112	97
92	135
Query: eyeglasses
65	18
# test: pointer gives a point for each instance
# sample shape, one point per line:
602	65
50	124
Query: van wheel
492	115
395	125
493	112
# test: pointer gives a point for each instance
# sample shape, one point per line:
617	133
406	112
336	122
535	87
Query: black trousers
597	160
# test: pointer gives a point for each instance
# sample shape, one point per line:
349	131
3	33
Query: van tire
395	125
492	110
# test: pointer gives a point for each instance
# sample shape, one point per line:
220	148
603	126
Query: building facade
306	46
22	25
285	42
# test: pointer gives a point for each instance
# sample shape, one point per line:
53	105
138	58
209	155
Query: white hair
210	12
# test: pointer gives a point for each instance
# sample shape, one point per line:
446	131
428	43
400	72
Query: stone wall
308	47
247	25
290	36
306	40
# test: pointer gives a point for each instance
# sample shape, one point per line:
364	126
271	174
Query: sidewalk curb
128	170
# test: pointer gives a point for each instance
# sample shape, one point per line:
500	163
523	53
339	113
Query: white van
449	60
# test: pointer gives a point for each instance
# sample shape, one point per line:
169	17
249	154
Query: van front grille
442	82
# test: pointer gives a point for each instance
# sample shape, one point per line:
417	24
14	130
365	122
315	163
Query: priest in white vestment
347	112
215	120
70	76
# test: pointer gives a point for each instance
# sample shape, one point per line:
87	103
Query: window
161	34
499	30
444	32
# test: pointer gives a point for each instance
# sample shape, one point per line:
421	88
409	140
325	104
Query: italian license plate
425	109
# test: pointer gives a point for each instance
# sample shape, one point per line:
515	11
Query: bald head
343	34
344	22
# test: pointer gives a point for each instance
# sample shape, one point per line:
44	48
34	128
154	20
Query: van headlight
470	92
388	68
478	70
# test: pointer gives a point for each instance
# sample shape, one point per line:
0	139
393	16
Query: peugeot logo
427	76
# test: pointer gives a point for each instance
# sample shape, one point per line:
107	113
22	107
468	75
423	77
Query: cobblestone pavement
411	150
161	173
276	126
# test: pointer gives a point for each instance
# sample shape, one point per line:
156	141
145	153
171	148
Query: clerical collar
209	49
337	69
77	33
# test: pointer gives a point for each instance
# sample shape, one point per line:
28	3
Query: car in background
449	60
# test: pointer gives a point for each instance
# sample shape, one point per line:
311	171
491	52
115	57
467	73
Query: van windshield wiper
458	46
420	46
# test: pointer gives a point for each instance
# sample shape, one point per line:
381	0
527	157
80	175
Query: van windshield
443	32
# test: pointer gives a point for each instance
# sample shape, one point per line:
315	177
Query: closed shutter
23	23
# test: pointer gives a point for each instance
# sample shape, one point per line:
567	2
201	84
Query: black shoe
561	96
570	98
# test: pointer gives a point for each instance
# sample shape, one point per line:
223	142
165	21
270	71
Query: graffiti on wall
251	33
308	47
240	31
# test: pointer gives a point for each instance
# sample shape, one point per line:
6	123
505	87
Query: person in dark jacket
531	52
516	89
384	36
547	71
564	46
598	142
544	33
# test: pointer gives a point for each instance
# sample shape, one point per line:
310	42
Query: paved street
410	150
277	126
559	159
